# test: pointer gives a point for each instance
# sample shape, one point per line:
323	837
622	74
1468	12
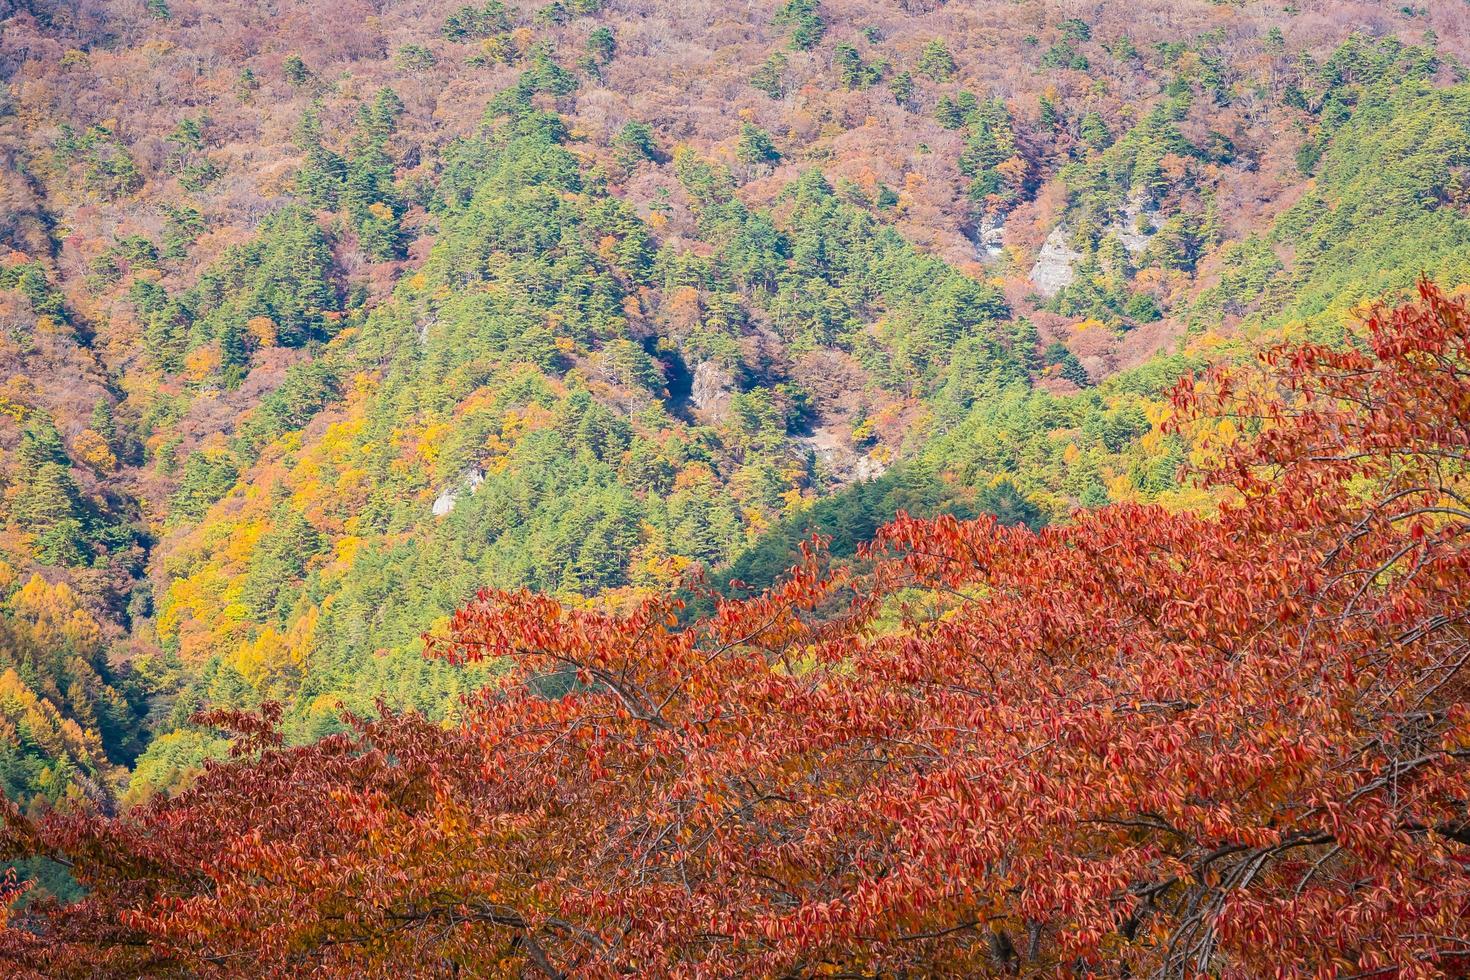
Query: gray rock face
838	459
991	239
1053	269
711	387
1133	240
469	481
868	468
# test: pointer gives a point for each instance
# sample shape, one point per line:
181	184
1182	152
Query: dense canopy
733	487
1141	743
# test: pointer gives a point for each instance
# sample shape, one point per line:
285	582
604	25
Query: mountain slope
316	324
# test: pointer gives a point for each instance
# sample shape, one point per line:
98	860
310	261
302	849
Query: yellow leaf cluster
263	330
201	362
92	449
56	613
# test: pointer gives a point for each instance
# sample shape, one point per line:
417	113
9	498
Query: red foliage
1145	742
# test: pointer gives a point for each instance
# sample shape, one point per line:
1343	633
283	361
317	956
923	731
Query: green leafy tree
770	77
601	45
806	23
902	87
935	61
755	146
1143	308
295	71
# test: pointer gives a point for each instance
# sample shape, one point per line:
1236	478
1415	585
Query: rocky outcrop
711	388
838	459
990	238
1053	269
868	468
469	481
1134	218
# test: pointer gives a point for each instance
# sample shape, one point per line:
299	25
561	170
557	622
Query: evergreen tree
902	87
806	23
1094	131
206	477
935	62
601	45
852	71
755	146
770	77
50	508
279	560
295	70
470	23
40	444
323	173
635	144
102	421
1069	367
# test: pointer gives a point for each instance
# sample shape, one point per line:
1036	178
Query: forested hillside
1181	744
319	316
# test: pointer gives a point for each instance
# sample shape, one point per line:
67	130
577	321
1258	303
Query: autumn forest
797	488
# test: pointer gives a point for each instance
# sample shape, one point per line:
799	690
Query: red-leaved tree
1142	743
